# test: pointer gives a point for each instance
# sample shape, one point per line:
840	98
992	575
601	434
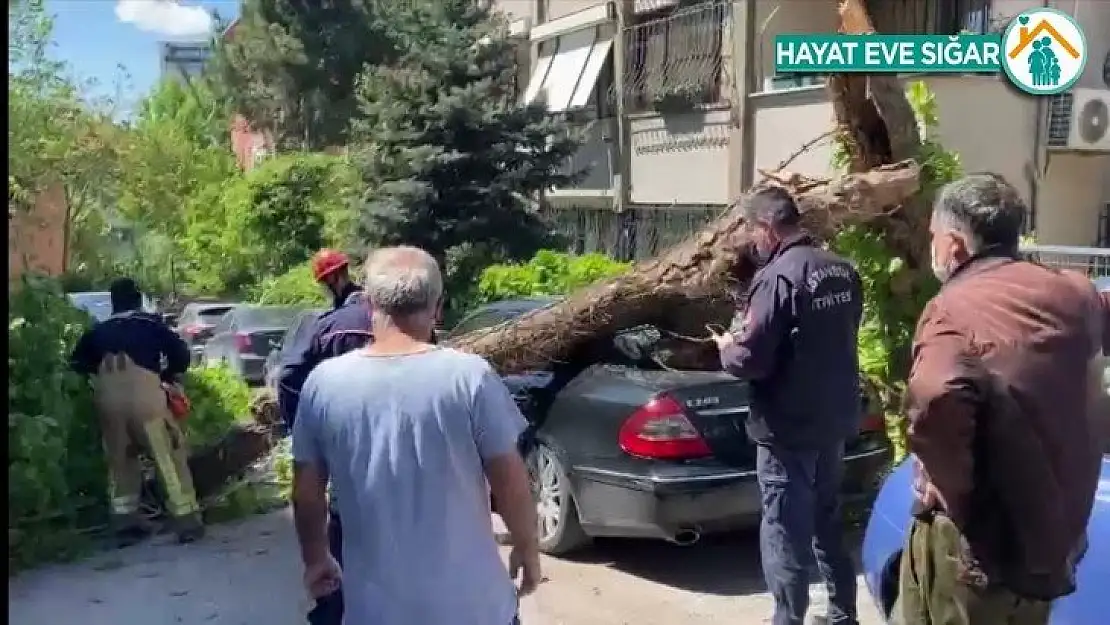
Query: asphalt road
248	573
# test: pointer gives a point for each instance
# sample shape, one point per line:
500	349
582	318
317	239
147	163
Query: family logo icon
1045	51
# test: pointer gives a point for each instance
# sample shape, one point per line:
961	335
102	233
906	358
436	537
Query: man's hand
723	339
925	492
322	577
525	564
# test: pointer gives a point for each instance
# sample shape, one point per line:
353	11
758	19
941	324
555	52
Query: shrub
219	399
547	273
295	287
57	475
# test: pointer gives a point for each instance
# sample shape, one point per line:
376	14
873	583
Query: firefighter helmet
327	262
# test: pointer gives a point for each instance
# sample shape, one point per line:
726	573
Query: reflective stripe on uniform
178	501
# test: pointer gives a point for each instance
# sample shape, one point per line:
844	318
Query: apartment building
698	109
184	61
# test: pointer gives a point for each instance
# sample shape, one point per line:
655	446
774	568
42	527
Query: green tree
267	222
55	136
192	106
290	67
451	161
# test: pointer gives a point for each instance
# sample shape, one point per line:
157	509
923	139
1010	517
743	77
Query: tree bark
688	286
877	126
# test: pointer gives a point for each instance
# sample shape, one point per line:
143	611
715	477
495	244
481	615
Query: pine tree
452	162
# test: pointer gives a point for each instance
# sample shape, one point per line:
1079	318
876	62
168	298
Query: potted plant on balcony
680	98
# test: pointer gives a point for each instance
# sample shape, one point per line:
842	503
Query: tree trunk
877	126
691	284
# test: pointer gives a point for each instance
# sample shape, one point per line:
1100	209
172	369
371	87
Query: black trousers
801	522
329	609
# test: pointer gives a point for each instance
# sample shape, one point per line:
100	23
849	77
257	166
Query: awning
568	67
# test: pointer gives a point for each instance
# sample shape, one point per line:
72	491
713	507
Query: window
931	17
677	53
569	69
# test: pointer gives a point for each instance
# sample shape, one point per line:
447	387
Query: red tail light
873	422
660	430
242	342
191	330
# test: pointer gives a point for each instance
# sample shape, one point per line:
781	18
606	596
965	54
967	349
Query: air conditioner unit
1079	121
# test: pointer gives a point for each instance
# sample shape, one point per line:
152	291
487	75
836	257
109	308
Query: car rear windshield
266	317
212	314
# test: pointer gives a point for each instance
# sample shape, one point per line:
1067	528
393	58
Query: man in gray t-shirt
410	435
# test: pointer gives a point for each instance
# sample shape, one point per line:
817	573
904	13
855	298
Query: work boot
189	528
128	529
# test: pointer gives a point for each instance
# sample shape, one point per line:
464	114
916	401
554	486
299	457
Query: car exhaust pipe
686	536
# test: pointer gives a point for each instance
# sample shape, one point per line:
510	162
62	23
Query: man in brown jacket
1002	402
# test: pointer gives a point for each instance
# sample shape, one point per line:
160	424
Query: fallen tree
691	284
696	281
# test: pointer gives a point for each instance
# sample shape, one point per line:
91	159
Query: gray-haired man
410	434
1002	400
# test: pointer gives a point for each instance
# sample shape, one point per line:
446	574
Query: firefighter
344	328
133	358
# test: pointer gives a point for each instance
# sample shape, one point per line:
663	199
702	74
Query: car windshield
493	314
99	303
266	316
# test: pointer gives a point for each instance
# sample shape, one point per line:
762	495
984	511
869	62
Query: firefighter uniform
128	357
796	345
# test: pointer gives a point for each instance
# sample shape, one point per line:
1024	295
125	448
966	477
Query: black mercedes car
625	447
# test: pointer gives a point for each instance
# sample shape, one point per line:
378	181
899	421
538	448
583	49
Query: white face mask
941	271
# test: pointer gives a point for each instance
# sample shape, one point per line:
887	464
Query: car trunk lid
715	403
264	340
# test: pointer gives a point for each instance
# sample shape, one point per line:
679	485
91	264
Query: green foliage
191	106
291	67
57	476
219	400
266	222
295	287
56	470
895	295
450	161
547	273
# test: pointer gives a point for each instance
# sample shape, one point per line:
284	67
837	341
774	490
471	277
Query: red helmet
327	262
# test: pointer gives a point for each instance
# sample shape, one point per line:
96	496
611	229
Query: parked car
196	322
99	303
890	519
301	325
622	447
245	336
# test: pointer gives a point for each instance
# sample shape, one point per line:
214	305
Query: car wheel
560	530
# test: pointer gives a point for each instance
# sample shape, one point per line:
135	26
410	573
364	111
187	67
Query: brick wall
247	143
36	237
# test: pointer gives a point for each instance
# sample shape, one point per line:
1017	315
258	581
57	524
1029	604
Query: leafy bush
295	287
547	273
268	221
219	399
57	474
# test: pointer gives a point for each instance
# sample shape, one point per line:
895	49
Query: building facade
184	61
697	109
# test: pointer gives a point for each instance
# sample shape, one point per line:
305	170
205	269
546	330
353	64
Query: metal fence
1093	261
644	232
635	234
